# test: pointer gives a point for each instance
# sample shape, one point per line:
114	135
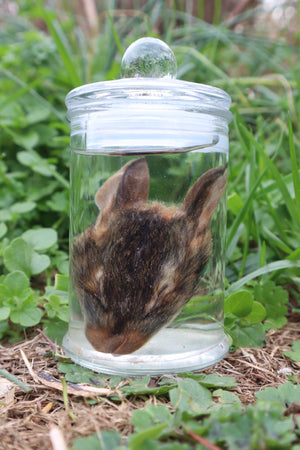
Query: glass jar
148	176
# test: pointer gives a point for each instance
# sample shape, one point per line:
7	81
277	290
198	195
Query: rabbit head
139	264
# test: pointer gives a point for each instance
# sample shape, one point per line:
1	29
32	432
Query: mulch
41	419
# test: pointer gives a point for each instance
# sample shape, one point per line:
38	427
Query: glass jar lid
147	107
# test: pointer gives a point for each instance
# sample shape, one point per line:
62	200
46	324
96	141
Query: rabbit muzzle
104	341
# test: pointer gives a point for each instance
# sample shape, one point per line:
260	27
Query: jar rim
150	90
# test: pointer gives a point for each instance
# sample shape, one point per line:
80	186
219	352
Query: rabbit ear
134	185
203	197
125	188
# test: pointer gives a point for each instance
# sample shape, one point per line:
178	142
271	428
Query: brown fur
135	269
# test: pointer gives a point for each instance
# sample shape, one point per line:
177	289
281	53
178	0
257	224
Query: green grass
261	75
37	71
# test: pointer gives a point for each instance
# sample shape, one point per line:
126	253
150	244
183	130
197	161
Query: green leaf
211	380
225	397
78	374
37	113
58	202
249	336
104	440
141	420
39	263
191	398
40	165
4	327
16	284
63	295
294	354
56	330
258	426
22	207
142	386
16	292
5	215
18	256
274	299
151	416
27	316
61	261
257	314
240	304
63	313
26	140
109	440
36	163
285	394
40	239
234	203
62	282
56	307
3	230
4	313
136	440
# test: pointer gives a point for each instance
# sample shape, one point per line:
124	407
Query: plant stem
14	379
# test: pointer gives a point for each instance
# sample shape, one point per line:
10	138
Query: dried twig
80	390
57	439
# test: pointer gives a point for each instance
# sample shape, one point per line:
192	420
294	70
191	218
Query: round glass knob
149	58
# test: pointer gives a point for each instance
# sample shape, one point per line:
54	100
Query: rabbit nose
121	344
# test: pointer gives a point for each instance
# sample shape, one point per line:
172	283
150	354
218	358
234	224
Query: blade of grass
115	34
60	42
237	121
14	379
66	400
20	92
271	187
268	268
240	217
267	80
293	210
212	67
295	172
36	95
263	254
276	240
217	12
295	254
234	241
246	247
277	221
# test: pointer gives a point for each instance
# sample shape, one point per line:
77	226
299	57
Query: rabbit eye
159	295
155	300
161	291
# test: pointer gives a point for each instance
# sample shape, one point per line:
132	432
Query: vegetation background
250	49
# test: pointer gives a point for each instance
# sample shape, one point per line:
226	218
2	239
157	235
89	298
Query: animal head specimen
140	263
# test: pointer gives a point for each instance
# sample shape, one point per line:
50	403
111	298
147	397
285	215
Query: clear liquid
195	338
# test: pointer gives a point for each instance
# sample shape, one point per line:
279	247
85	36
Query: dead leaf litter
40	418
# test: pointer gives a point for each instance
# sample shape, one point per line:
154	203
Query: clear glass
147	227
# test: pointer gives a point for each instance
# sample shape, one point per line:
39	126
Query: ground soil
40	419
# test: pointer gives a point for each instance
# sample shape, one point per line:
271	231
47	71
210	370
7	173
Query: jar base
172	350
